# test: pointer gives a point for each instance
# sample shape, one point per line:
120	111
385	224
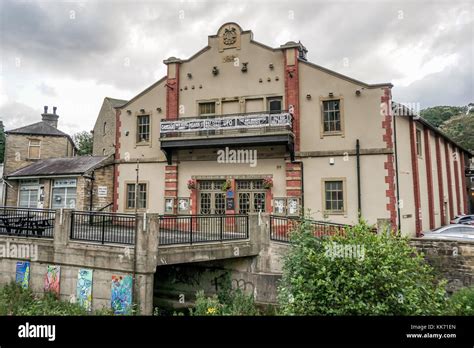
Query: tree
360	273
436	115
2	142
83	141
461	130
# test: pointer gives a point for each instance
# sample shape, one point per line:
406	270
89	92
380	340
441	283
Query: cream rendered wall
434	171
362	115
373	187
231	82
405	177
153	174
150	101
422	170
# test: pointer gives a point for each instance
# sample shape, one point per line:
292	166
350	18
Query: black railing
253	122
27	222
103	227
282	226
191	229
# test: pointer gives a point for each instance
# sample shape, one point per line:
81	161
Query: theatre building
242	127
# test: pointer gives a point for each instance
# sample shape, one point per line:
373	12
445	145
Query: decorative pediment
229	36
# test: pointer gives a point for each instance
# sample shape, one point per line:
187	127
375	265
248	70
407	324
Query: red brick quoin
117	158
386	106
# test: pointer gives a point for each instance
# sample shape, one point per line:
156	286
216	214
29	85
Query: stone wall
16	150
452	260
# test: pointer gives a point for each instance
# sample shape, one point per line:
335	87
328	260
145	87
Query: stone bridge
259	258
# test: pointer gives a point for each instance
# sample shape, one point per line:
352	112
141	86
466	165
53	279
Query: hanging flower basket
268	183
226	186
191	184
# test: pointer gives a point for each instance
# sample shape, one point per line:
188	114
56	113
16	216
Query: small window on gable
208	108
143	128
419	147
274	105
34	149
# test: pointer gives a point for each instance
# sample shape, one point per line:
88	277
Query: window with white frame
142	196
64	193
28	194
332	122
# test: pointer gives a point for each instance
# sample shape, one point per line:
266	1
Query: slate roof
60	166
39	128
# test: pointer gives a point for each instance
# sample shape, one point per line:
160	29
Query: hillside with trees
455	121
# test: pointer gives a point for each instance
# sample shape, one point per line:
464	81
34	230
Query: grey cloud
47	90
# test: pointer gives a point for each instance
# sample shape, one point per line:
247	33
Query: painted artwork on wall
84	288
23	273
121	297
51	280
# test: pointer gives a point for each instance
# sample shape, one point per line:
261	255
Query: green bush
14	300
384	275
461	302
226	302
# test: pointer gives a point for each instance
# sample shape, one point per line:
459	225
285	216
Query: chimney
51	119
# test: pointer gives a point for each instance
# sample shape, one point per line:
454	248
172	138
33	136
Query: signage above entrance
227	122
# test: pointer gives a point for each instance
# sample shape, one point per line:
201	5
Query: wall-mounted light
331	161
260	80
290	74
200	86
358	92
277	78
190	76
331	94
129	112
269	79
192	87
271	66
215	71
142	111
127	133
185	88
244	67
308	96
159	110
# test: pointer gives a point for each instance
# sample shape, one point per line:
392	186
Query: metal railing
103	227
282	226
27	222
191	229
252	122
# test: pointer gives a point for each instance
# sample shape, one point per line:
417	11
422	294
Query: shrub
383	276
461	302
225	302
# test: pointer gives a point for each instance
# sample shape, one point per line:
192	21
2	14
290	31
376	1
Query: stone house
81	183
104	128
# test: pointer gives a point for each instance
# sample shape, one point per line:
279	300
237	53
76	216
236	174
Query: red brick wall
457	183
416	182
387	136
463	180
171	183
292	95
440	181
429	177
172	96
118	124
293	179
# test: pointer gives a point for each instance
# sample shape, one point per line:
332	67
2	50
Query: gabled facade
29	144
104	128
323	142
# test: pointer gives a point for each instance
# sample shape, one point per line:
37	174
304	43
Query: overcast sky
73	54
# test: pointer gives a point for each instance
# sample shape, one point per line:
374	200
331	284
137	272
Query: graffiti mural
23	274
84	288
51	280
121	297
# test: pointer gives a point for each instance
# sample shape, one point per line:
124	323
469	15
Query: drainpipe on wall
302	187
91	190
134	292
359	196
